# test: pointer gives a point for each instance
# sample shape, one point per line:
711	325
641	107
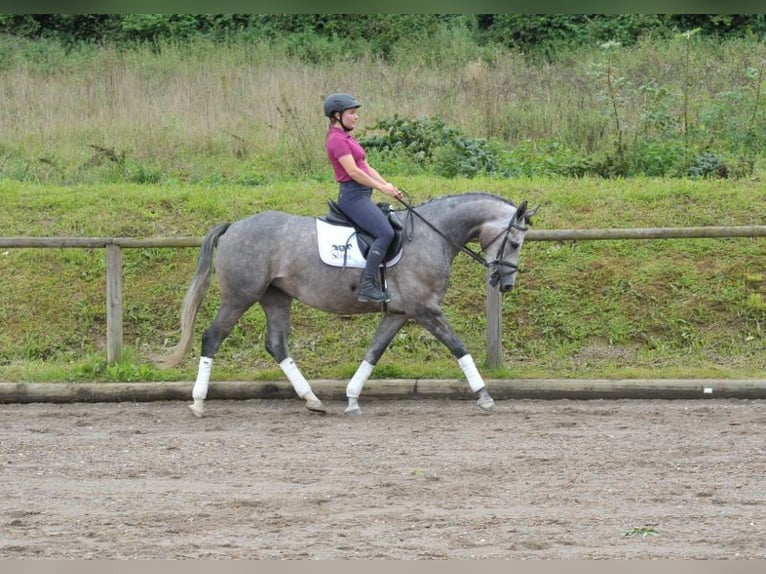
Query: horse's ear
521	210
530	213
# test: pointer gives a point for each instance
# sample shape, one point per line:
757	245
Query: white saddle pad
338	246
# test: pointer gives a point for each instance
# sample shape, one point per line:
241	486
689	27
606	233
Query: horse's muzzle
504	282
503	276
507	283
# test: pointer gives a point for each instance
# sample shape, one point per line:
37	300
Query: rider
357	180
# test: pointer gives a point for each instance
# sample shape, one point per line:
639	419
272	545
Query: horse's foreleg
355	385
277	305
387	330
436	324
476	383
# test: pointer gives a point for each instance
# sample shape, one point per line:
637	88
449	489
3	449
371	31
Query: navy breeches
356	202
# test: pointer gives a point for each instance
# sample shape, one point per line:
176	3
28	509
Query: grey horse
267	258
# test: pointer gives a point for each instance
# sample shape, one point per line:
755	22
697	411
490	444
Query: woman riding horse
357	179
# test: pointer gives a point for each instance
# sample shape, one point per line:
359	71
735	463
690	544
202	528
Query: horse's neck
460	222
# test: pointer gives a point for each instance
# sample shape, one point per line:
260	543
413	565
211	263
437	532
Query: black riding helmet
339	103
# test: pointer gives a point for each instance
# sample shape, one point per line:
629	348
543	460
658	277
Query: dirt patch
409	479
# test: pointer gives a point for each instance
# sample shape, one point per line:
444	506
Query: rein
476	256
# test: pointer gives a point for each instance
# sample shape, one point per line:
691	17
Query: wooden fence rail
115	245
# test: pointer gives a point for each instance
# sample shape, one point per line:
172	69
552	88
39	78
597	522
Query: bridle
496	264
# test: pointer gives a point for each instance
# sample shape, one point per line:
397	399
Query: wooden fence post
494	327
113	303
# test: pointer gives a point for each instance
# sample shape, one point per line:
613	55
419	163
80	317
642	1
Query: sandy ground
410	479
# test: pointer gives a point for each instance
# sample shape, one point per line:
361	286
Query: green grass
642	531
613	309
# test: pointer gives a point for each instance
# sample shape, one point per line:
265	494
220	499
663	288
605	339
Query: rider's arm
373	180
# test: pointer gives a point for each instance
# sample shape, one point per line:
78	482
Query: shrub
430	143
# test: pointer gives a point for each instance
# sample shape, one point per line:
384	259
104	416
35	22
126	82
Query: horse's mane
484	194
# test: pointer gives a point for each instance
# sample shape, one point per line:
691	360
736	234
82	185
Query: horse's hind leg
277	305
387	330
224	322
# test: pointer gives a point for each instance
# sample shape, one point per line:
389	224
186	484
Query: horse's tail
194	295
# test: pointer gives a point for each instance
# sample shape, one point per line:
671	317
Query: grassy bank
673	308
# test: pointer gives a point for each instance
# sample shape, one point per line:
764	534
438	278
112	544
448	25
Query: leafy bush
430	143
551	35
418	138
707	164
657	158
153	27
546	158
468	157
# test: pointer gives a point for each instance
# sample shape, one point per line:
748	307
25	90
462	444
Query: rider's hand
389	189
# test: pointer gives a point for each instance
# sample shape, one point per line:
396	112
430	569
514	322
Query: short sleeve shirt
340	143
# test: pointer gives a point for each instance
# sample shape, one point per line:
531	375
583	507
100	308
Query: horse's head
503	247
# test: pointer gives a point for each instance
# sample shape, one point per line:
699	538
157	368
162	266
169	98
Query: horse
271	258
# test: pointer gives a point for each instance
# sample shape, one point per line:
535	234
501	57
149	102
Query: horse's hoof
487	405
354	411
315	406
198	409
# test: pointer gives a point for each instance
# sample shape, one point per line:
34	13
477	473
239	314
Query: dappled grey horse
264	258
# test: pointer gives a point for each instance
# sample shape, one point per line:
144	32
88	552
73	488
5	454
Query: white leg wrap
471	372
199	392
355	385
300	384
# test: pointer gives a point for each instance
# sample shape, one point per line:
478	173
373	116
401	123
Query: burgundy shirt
340	143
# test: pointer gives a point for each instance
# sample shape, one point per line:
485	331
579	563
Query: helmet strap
339	119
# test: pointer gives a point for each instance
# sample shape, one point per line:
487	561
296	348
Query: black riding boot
369	290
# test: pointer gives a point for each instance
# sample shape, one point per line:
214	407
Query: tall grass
253	111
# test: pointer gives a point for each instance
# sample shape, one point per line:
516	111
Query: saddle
364	240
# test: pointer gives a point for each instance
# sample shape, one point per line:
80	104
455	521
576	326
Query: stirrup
376	297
